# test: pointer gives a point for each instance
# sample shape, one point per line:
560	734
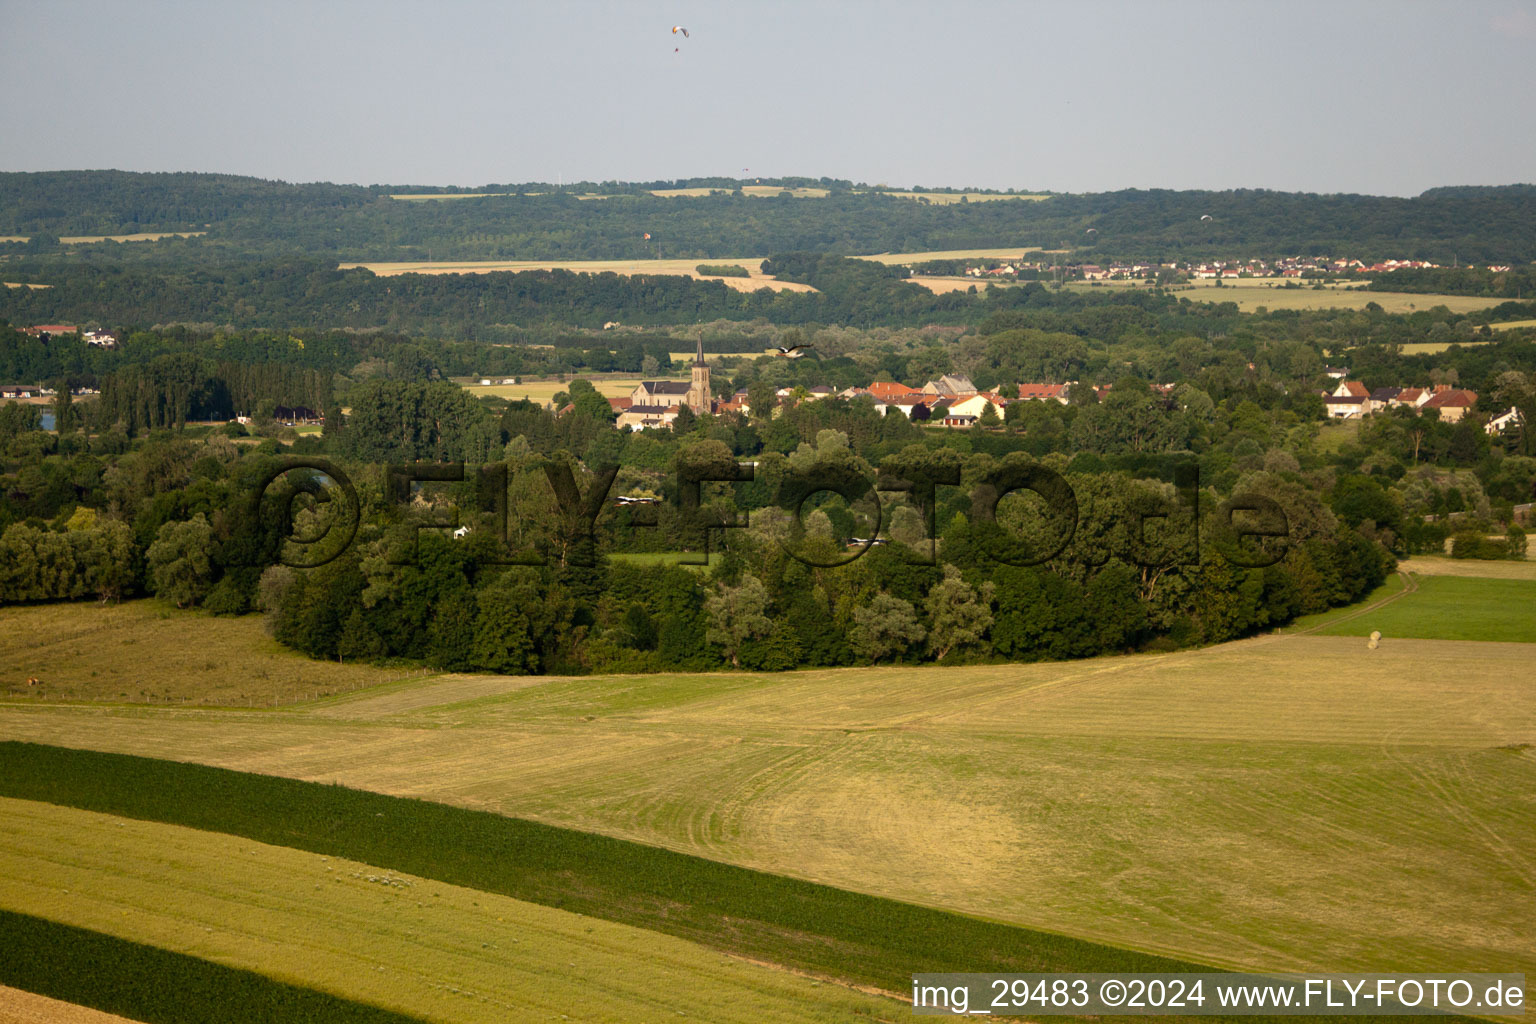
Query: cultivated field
147	652
544	391
754	280
1510	325
1429	348
1235	805
142	236
1250	295
949	198
908	258
436	951
1432	565
18	1007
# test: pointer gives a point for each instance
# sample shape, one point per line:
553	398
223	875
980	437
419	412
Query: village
953	401
1290	267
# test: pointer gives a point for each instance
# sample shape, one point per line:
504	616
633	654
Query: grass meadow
404	943
1285	802
1445	607
543	392
148	652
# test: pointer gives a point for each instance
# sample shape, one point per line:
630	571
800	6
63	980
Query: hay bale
1372	644
1376	635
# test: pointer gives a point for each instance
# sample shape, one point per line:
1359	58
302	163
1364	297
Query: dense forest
246	216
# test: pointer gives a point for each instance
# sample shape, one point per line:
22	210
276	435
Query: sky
1387	98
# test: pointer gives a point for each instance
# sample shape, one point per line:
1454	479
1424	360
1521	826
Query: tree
884	628
762	399
65	416
957	615
180	561
737	615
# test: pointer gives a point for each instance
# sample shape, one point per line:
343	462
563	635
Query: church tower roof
699	359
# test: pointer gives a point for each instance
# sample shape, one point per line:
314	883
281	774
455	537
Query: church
654	403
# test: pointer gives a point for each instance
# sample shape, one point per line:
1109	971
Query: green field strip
356	931
818	929
157	986
1453	608
815	928
1391	587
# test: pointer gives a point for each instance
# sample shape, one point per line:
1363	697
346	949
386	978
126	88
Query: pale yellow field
13	238
948	198
1234	805
1251	293
143	236
760	191
908	258
1510	325
1432	565
147	652
941	285
15	284
681	357
685	268
416	946
18	1007
544	391
1428	348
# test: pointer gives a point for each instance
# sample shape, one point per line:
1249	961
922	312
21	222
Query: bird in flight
791	350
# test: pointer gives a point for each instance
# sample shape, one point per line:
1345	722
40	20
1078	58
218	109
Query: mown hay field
908	258
1285	802
544	391
412	945
148	652
18	1007
754	280
1436	565
1510	325
1429	348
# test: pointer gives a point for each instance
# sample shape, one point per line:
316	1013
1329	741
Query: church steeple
699	397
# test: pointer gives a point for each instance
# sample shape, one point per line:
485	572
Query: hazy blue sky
1330	97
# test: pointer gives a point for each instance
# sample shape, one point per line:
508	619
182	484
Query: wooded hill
250	216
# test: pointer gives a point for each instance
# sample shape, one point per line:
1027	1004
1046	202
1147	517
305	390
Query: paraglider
1206	216
1091	231
678	28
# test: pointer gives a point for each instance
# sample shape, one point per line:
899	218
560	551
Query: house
974	406
1351	389
1336	372
50	330
620	404
1345	407
1044	392
1510	419
819	391
20	391
1411	398
1452	403
101	339
1382	398
885	390
913	407
957	420
951	385
647	417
